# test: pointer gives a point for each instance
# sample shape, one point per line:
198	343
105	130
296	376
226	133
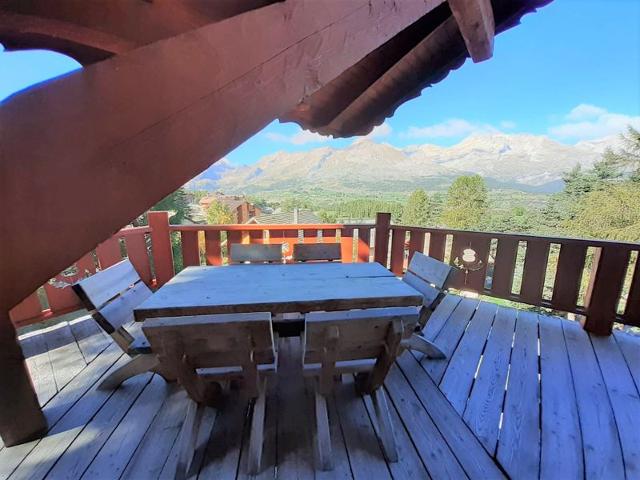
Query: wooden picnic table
304	287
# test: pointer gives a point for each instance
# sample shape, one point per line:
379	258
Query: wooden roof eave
404	80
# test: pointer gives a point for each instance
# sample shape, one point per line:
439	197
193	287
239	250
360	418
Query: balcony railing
596	280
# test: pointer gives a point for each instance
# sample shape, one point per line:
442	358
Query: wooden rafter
477	26
84	44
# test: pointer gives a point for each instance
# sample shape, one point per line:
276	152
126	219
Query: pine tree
467	203
417	212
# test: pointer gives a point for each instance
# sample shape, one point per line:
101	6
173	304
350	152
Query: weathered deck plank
222	454
624	400
66	359
588	394
116	453
448	338
458	378
630	347
81	451
602	453
154	449
560	427
60	405
89	336
519	441
365	456
40	368
434	451
484	407
409	464
465	446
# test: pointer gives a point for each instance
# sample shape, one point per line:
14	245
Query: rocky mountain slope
521	162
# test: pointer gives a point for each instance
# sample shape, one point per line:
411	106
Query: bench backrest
355	334
429	276
110	295
306	252
255	253
376	333
211	341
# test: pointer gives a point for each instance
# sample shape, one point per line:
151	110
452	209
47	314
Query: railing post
601	299
21	418
161	246
383	224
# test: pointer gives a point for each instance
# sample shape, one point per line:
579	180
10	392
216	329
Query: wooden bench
200	350
430	277
313	252
110	295
255	253
365	342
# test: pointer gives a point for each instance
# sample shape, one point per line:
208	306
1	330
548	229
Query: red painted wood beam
477	26
82	155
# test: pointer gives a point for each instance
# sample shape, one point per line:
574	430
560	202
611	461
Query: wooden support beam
20	416
125	132
84	44
477	26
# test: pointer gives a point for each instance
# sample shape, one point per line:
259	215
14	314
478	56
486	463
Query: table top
278	289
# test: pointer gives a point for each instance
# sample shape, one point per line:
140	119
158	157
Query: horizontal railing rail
54	298
596	279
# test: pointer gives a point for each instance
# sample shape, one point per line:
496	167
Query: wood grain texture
465	446
560	427
603	454
458	378
364	240
624	398
190	249
504	266
437	457
416	243
108	252
519	442
137	254
437	243
535	268
568	275
477	26
398	240
484	406
278	289
603	292
317	252
448	338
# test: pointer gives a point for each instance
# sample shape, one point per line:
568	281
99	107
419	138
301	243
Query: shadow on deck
519	394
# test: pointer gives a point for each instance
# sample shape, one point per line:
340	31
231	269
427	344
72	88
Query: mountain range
522	162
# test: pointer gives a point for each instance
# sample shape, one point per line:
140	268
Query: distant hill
527	163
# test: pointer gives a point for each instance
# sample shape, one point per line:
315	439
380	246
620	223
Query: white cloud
379	131
454	127
588	122
301	137
584	111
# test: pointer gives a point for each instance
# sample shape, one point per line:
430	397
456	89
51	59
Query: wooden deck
520	395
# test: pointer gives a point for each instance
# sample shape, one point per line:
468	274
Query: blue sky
570	71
